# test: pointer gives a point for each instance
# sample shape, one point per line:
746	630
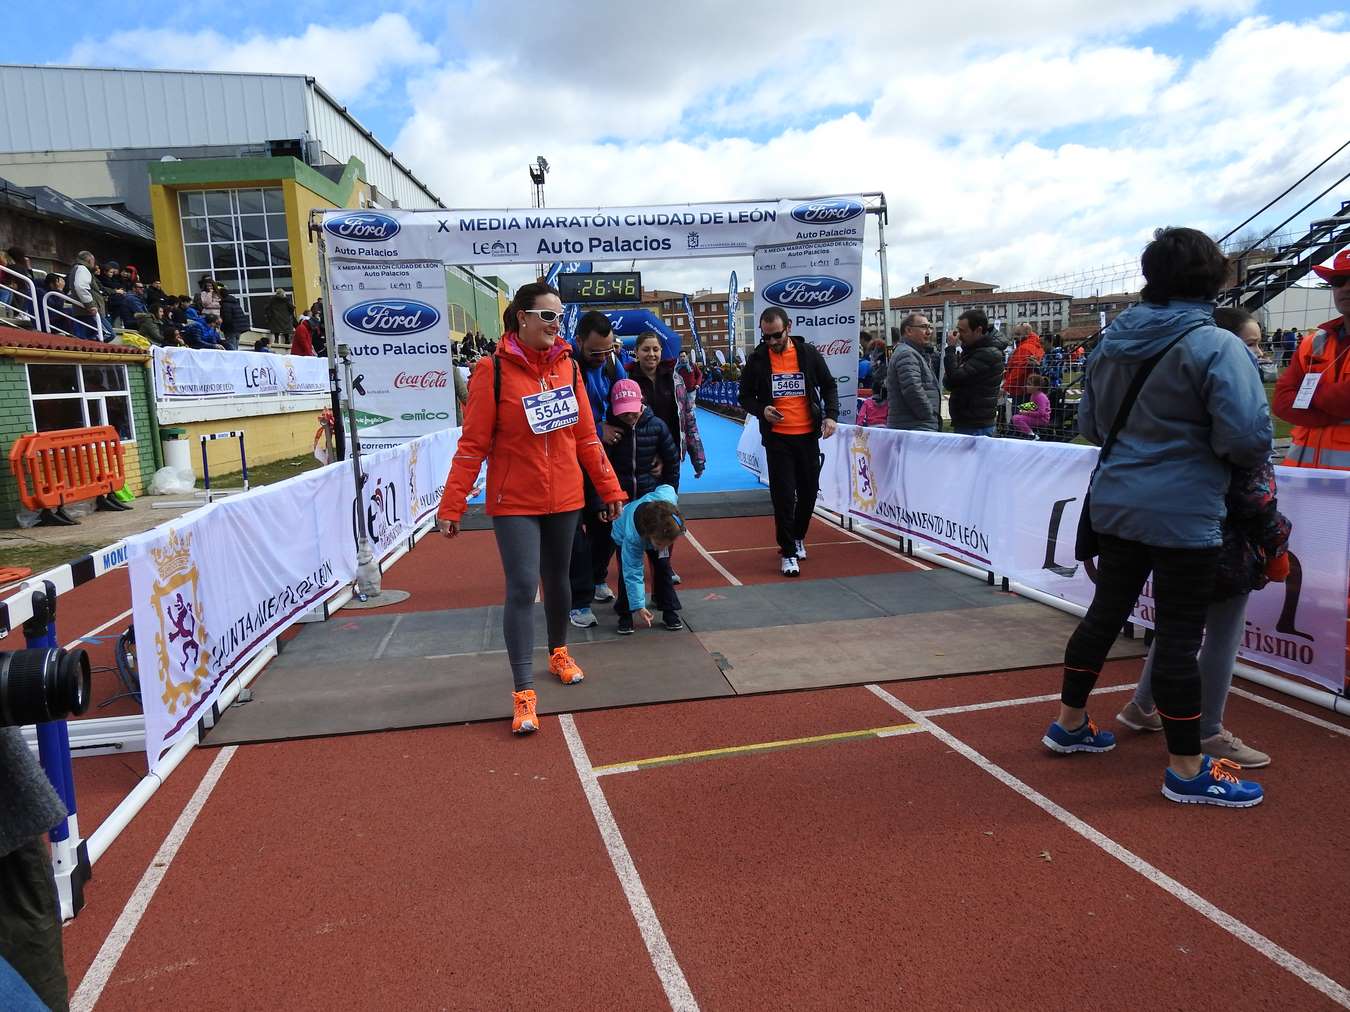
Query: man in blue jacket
602	363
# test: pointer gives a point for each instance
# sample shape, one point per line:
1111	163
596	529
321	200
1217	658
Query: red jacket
302	342
1321	432
1028	351
528	475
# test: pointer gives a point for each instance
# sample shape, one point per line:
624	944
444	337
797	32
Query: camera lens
37	686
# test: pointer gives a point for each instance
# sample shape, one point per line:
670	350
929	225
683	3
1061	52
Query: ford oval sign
827	212
391	317
810	292
362	226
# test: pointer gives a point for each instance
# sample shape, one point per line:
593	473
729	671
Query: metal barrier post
70	854
8	281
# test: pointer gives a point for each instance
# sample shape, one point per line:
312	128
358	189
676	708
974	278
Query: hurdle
208	494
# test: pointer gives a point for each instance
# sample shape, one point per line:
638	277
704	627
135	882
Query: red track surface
460	868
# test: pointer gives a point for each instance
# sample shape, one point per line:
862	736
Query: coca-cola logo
839	346
432	379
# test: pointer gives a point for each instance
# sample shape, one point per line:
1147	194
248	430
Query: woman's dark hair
1232	319
658	520
646	335
1182	263
525	299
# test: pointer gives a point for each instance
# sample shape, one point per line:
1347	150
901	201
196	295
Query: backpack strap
1136	385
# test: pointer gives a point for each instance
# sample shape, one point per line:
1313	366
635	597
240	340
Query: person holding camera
30	919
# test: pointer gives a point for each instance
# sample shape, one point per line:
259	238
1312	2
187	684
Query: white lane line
101	970
1052	697
1277	954
95	632
726	574
1328	725
384	643
891	552
658	948
772	548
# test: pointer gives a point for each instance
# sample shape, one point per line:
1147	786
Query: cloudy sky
1014	142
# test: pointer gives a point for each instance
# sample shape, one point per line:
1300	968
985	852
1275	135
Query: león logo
862	478
181	637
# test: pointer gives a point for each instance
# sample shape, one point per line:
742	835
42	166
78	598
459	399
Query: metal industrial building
91	132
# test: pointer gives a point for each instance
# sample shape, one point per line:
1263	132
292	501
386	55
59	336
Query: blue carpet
723	474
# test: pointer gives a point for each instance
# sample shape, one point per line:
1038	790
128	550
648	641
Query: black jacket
232	318
641	446
974	380
822	393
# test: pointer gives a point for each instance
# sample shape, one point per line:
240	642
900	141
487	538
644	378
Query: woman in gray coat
913	400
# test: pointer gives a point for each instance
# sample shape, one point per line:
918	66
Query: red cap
1340	267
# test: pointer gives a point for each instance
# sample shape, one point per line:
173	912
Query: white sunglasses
547	315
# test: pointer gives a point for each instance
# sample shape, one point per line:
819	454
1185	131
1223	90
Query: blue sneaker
1217	783
1087	738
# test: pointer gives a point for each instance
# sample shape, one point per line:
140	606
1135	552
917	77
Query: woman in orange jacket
525	403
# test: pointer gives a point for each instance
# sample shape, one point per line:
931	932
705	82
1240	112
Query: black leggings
1183	580
531	548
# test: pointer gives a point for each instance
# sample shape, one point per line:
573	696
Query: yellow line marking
633	765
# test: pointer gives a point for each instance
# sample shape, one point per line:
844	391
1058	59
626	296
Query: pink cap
626	396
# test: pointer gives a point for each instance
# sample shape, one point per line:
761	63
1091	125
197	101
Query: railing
74	324
19	288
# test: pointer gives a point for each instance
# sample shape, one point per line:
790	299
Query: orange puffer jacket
528	474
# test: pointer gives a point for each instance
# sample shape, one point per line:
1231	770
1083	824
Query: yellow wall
305	253
266	438
169	241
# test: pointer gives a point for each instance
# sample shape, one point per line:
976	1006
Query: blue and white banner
566	267
184	374
733	309
393	317
210	589
660	232
693	330
1011	507
819	285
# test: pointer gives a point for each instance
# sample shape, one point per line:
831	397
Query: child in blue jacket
651	525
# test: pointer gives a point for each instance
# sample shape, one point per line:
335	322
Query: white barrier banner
1012	507
750	450
210	589
513	236
394	319
820	287
191	374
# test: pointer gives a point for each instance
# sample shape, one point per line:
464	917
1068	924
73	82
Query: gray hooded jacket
913	398
28	805
1201	410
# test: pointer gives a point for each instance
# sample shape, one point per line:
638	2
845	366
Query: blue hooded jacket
1202	410
633	546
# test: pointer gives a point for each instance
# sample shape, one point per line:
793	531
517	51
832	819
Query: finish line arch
379	274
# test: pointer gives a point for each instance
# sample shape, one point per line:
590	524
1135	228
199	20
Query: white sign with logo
191	374
1012	507
393	317
669	231
819	286
211	589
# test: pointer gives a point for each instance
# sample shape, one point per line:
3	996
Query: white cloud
346	61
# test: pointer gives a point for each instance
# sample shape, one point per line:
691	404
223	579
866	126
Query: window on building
75	396
239	238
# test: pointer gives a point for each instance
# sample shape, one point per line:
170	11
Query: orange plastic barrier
67	465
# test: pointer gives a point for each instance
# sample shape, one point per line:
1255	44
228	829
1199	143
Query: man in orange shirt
788	386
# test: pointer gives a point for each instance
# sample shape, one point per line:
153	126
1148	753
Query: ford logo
827	212
810	292
391	317
362	226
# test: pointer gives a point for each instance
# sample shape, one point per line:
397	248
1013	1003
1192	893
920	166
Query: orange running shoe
525	721
561	664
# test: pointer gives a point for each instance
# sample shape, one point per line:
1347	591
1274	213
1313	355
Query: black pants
591	551
1183	581
30	921
663	587
794	482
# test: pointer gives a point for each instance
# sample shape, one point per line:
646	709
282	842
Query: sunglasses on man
547	315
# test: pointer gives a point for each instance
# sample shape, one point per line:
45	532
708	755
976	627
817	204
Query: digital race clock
621	286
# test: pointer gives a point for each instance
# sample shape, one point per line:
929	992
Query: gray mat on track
305	694
798	602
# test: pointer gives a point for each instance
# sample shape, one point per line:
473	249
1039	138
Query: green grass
268	474
1281	426
40	557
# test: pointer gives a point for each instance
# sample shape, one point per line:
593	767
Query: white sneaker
790	567
675	578
603	593
801	549
583	618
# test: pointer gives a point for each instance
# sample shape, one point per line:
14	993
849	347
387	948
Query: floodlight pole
538	171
